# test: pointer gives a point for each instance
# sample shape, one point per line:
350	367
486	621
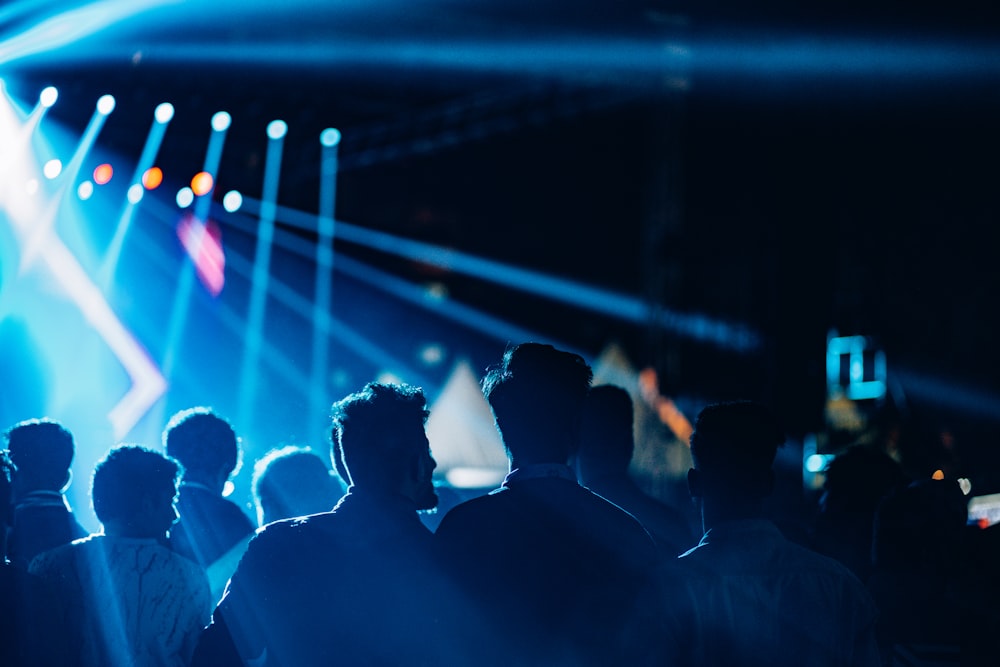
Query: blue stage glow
52	168
276	129
164	112
48	96
135	192
330	137
185	197
232	201
106	104
85	190
221	121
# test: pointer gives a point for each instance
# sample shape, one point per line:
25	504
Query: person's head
42	450
378	433
921	528
537	395
134	490
7	471
606	439
293	481
205	444
733	448
856	480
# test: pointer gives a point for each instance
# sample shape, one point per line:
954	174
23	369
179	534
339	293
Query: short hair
920	525
607	434
292	481
736	441
369	433
537	395
202	441
7	472
42	449
125	475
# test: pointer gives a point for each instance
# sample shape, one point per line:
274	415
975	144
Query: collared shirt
42	521
360	584
540	471
747	596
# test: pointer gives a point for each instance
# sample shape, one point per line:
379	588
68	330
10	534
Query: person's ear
695	483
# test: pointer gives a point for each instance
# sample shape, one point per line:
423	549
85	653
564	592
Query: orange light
152	178
103	173
202	183
938	475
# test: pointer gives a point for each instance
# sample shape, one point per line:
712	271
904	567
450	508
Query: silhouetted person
746	595
856	481
555	568
293	481
130	600
42	450
606	446
918	565
30	619
212	531
358	585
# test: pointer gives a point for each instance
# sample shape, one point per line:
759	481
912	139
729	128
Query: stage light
52	169
31	187
103	173
330	137
185	197
85	190
276	129
221	121
48	97
938	475
105	105
135	193
817	463
164	112
152	178
202	183
232	201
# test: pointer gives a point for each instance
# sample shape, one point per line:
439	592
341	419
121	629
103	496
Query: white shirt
129	601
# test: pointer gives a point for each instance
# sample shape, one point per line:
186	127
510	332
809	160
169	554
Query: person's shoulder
470	513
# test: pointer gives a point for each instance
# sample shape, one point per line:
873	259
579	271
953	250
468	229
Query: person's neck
713	512
132	531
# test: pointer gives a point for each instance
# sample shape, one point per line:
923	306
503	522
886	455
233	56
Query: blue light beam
185	282
153	140
250	371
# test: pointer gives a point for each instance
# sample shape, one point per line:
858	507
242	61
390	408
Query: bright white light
85	190
228	488
221	121
816	463
135	193
105	105
48	96
164	112
232	201
276	129
184	197
52	169
966	485
330	137
31	186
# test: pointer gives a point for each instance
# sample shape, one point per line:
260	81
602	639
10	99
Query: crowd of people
567	563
